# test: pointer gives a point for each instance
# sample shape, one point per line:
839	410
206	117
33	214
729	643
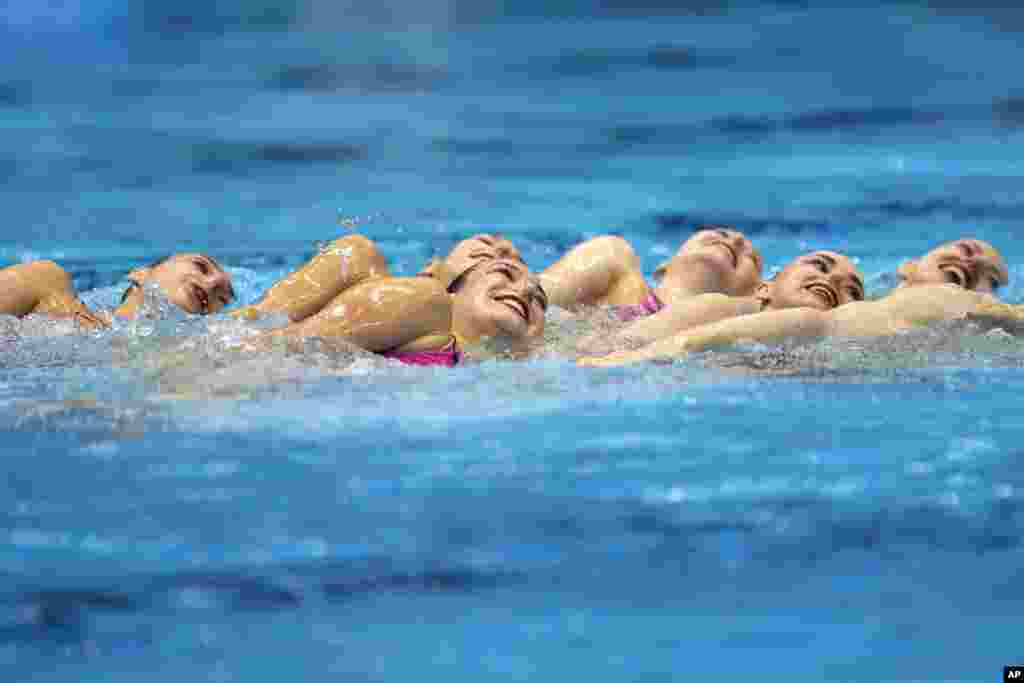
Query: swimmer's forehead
834	259
834	255
719	230
196	256
507	264
487	238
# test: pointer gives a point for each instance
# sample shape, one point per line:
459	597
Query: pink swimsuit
448	357
651	305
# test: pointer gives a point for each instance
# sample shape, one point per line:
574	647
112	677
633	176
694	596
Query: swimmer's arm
901	310
381	314
993	313
42	287
601	271
342	264
905	309
684	315
19	293
767	327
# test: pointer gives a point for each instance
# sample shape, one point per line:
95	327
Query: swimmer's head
726	257
483	246
468	253
968	263
194	282
498	298
820	279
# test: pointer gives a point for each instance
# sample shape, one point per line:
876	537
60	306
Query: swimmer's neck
467	337
687	276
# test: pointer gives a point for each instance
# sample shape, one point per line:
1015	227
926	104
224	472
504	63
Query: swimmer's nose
738	242
505	249
521	286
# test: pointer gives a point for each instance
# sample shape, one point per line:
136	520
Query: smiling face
730	258
968	263
194	282
470	252
821	279
499	298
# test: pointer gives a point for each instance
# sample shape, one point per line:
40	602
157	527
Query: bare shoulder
41	271
399	293
904	308
419	286
925	304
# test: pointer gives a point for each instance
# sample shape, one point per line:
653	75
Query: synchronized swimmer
193	282
710	294
953	281
481	290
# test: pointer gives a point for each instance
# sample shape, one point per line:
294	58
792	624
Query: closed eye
507	272
203	266
954	276
820	264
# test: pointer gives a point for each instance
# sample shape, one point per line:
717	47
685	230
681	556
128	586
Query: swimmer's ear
907	270
763	293
139	275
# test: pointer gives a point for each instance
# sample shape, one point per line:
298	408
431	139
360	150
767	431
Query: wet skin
606	271
733	265
470	252
499	298
194	282
821	279
353	259
968	263
967	272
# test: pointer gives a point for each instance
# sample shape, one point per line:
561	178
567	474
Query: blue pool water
173	509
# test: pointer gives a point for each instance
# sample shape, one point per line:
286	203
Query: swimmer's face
470	252
968	263
500	298
732	254
194	282
821	279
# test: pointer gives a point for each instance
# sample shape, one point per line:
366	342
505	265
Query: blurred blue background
858	520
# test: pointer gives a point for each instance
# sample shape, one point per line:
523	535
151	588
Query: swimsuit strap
649	306
652	303
449	356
